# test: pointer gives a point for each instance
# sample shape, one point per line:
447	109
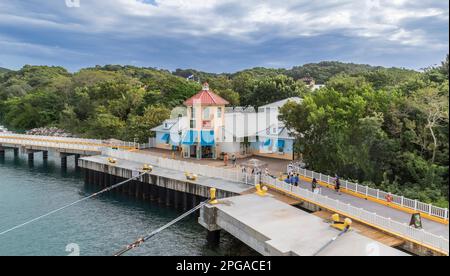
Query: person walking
233	160
225	159
296	179
314	184
337	185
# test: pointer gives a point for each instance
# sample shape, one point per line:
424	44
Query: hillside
4	70
368	124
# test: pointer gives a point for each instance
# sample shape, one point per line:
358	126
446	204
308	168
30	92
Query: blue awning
165	138
267	142
207	138
280	143
190	138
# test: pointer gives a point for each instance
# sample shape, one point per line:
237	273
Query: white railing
401	229
49	144
378	194
68	140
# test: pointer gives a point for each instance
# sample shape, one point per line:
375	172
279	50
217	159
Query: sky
222	35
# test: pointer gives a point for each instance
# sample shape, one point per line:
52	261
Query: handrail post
415	205
429	208
402	200
367	191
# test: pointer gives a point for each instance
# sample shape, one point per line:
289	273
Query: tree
140	126
271	89
434	106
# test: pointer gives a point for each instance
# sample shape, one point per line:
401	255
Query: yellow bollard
212	195
261	191
335	218
338	224
347	222
147	168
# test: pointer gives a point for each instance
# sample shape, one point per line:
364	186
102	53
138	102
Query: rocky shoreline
49	131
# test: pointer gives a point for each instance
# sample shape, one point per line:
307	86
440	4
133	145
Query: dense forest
387	127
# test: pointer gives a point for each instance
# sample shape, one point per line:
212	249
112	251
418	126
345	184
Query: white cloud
249	20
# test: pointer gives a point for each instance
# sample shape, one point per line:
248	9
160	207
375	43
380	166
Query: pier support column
16	152
138	189
2	152
185	201
169	194
145	191
86	176
77	157
45	155
208	219
153	192
30	158
63	162
176	199
161	195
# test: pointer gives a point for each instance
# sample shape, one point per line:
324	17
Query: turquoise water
99	226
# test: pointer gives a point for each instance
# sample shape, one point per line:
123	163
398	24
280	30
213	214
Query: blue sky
222	35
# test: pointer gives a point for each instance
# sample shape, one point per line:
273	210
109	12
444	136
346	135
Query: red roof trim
206	97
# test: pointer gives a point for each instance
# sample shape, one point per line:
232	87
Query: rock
49	131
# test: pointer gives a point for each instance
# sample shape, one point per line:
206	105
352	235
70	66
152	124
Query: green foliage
139	126
271	89
386	127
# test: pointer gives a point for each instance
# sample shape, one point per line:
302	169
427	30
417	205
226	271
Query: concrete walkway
397	215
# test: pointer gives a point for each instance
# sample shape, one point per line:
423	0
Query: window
206	113
193	124
219	113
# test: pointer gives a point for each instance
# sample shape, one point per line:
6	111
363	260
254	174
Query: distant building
210	129
310	82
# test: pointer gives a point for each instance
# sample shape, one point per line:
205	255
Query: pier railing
391	226
49	144
378	194
66	142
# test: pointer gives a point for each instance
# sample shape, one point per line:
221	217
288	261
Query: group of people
233	160
293	179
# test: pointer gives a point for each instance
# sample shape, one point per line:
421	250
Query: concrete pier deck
225	188
274	228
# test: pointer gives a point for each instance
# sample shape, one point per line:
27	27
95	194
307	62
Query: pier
268	224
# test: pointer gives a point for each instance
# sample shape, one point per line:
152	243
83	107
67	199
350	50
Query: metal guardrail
387	224
366	191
